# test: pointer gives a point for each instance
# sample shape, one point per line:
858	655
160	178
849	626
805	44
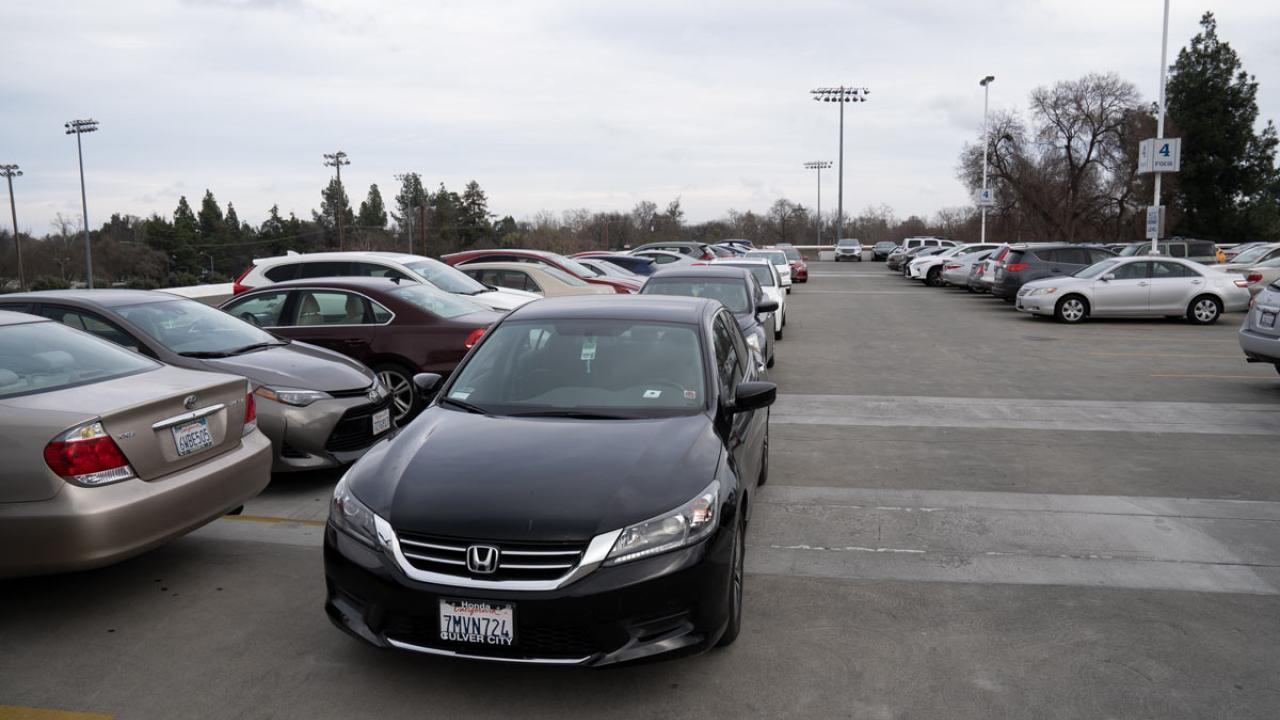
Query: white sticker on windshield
589	349
651	394
459	395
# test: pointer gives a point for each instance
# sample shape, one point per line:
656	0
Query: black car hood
471	476
296	365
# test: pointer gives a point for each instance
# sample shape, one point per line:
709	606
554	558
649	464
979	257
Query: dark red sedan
622	286
799	268
398	329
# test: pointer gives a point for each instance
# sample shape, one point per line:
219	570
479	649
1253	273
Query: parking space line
273	520
1214	377
1164	355
14	712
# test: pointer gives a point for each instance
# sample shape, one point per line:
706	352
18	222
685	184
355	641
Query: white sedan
770	282
1135	287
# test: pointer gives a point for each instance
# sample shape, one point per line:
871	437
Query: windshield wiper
464	405
255	346
206	354
578	414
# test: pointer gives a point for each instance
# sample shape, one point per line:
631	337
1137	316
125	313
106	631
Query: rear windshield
1013	257
733	293
45	356
763	273
566	278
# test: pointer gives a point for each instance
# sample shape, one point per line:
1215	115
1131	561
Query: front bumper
1037	304
670	604
325	434
849	255
81	528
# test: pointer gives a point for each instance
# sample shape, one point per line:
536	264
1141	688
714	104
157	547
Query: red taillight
87	455
474	338
1016	267
1254	277
951	267
250	415
236	287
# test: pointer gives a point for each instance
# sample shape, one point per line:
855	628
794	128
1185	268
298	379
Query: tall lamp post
336	161
840	95
78	128
10	172
819	165
1164	69
985	200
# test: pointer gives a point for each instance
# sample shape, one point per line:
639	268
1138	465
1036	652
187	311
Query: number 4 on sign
1164	150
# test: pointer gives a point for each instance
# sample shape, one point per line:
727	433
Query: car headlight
351	516
291	396
753	341
688	524
1043	291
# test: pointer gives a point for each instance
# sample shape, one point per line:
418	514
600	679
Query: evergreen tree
1228	168
409	201
333	200
373	214
186	234
443	221
210	220
475	224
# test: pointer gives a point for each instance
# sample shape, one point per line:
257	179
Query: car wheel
769	362
736	576
1204	310
398	381
777	334
934	277
764	454
836	258
1071	309
1278	367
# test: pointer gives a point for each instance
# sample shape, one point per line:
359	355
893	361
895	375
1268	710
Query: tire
398	380
934	277
836	259
1278	367
1204	310
764	454
1071	309
737	575
777	334
769	363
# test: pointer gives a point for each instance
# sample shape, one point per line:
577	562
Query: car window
436	302
324	269
331	307
1172	270
1097	255
728	367
762	273
1074	256
44	356
518	280
365	269
262	310
91	323
1133	271
282	273
565	277
731	292
189	327
446	277
617	367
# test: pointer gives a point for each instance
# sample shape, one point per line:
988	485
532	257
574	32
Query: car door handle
1144	283
1196	282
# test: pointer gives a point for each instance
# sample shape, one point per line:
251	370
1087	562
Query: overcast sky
548	104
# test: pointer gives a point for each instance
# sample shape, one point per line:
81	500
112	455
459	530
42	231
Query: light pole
10	172
1164	69
78	128
986	95
336	161
819	165
840	95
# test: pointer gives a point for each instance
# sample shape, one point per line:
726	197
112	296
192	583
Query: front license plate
1268	319
192	437
477	622
381	421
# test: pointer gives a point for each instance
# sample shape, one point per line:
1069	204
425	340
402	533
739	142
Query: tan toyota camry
107	454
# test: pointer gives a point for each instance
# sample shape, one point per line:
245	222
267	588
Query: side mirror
426	383
753	396
767	306
1108	277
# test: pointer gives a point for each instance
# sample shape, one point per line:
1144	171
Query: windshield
792	254
575	267
446	277
440	304
731	292
1253	254
187	327
763	273
616	369
44	356
885	244
1097	269
846	242
777	257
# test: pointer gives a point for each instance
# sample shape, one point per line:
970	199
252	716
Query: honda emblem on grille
482	559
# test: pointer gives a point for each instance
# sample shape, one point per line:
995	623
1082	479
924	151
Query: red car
799	268
398	329
622	286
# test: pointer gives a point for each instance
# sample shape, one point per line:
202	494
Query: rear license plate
381	421
192	437
1268	319
477	622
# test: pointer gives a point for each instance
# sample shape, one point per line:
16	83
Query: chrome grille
516	561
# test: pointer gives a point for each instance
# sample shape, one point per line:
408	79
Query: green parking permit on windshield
589	349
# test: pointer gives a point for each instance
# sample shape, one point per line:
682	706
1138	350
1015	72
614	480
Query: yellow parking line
13	712
1220	377
261	519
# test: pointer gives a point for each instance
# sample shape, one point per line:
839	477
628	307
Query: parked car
741	244
358	263
737	288
109	453
848	249
447	542
928	268
604	268
956	270
542	280
662	258
721	252
736	247
695	250
1142	286
917	254
770	282
636	264
1261	275
779	260
1251	257
539	257
398	328
1201	251
880	251
1260	333
914	242
1229	254
799	268
898	258
320	408
1023	263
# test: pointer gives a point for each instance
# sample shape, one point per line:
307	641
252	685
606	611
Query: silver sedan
956	270
1135	287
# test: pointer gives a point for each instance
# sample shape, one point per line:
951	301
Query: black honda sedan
577	494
